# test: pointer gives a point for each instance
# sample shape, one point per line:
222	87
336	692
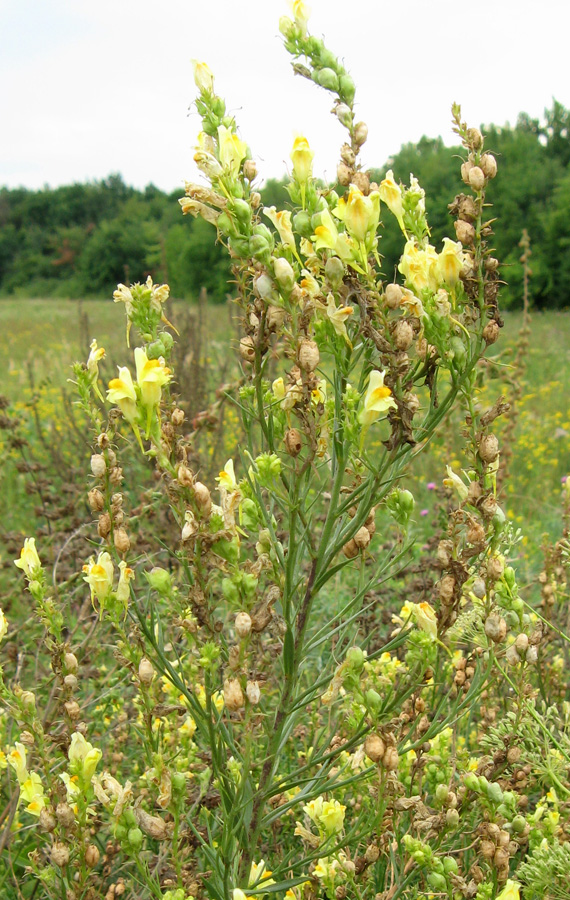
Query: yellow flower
188	727
454	482
337	316
278	389
301	13
3	624
99	576
332	816
419	266
29	560
450	261
259	873
152	375
378	399
227	479
319	394
125	577
123	295
282	222
426	619
510	891
17	759
83	755
121	392
391	195
207	163
231	151
95	355
302	159
31	790
360	214
203	77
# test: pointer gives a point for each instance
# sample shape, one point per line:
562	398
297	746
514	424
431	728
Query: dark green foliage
82	239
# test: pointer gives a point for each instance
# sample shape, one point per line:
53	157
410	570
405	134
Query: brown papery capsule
98	465
488	165
203	498
464	231
185	476
293	442
146	671
474	138
92	856
121	540
233	695
308	355
403	335
177	417
350	549
390	759
96	500
374	747
362	182
360	133
104	525
249	169
491	332
59	854
488	448
362	538
343	174
495	628
394	295
247	349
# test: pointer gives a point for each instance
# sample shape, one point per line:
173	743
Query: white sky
91	87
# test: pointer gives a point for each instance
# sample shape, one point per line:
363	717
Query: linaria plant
251	737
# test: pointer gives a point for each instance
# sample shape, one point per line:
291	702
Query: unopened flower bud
98	465
308	355
247	349
59	854
476	178
146	671
394	295
253	692
96	500
362	538
488	165
121	540
293	442
488	448
243	624
374	747
464	231
233	694
284	273
360	133
452	818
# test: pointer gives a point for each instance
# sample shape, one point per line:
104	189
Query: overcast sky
91	87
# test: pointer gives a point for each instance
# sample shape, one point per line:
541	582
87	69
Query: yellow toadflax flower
121	392
3	624
301	13
152	375
360	214
29	560
32	791
511	891
419	266
95	355
450	261
426	619
302	159
282	221
125	577
203	77
391	195
377	400
17	760
337	316
99	577
83	756
231	150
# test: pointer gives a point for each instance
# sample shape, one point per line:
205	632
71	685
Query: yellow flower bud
302	159
203	77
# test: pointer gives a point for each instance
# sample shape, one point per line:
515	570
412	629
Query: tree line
79	240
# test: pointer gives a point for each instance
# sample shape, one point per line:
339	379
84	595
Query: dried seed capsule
249	169
92	856
96	500
394	295
495	628
308	355
104	525
491	332
243	624
121	540
59	854
475	138
362	182
488	448
374	747
203	498
233	694
185	476
464	231
343	174
488	165
47	821
360	133
476	178
293	442
403	335
475	533
496	568
64	815
253	692
70	663
447	588
362	538
98	465
247	349
146	671
390	759
350	549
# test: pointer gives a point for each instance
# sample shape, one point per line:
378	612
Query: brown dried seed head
447	588
390	759
146	671
362	182
488	448
96	500
475	533
72	709
121	540
293	442
202	498
59	854
464	231
70	663
177	417
92	856
249	169
521	643
247	349
496	568
474	138
488	164
350	549
394	295
374	747
362	538
98	465
185	476
47	821
243	624
64	815
495	628
343	174
308	355
476	178
513	755
360	133
233	694
465	169
491	332
253	692
151	825
403	335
